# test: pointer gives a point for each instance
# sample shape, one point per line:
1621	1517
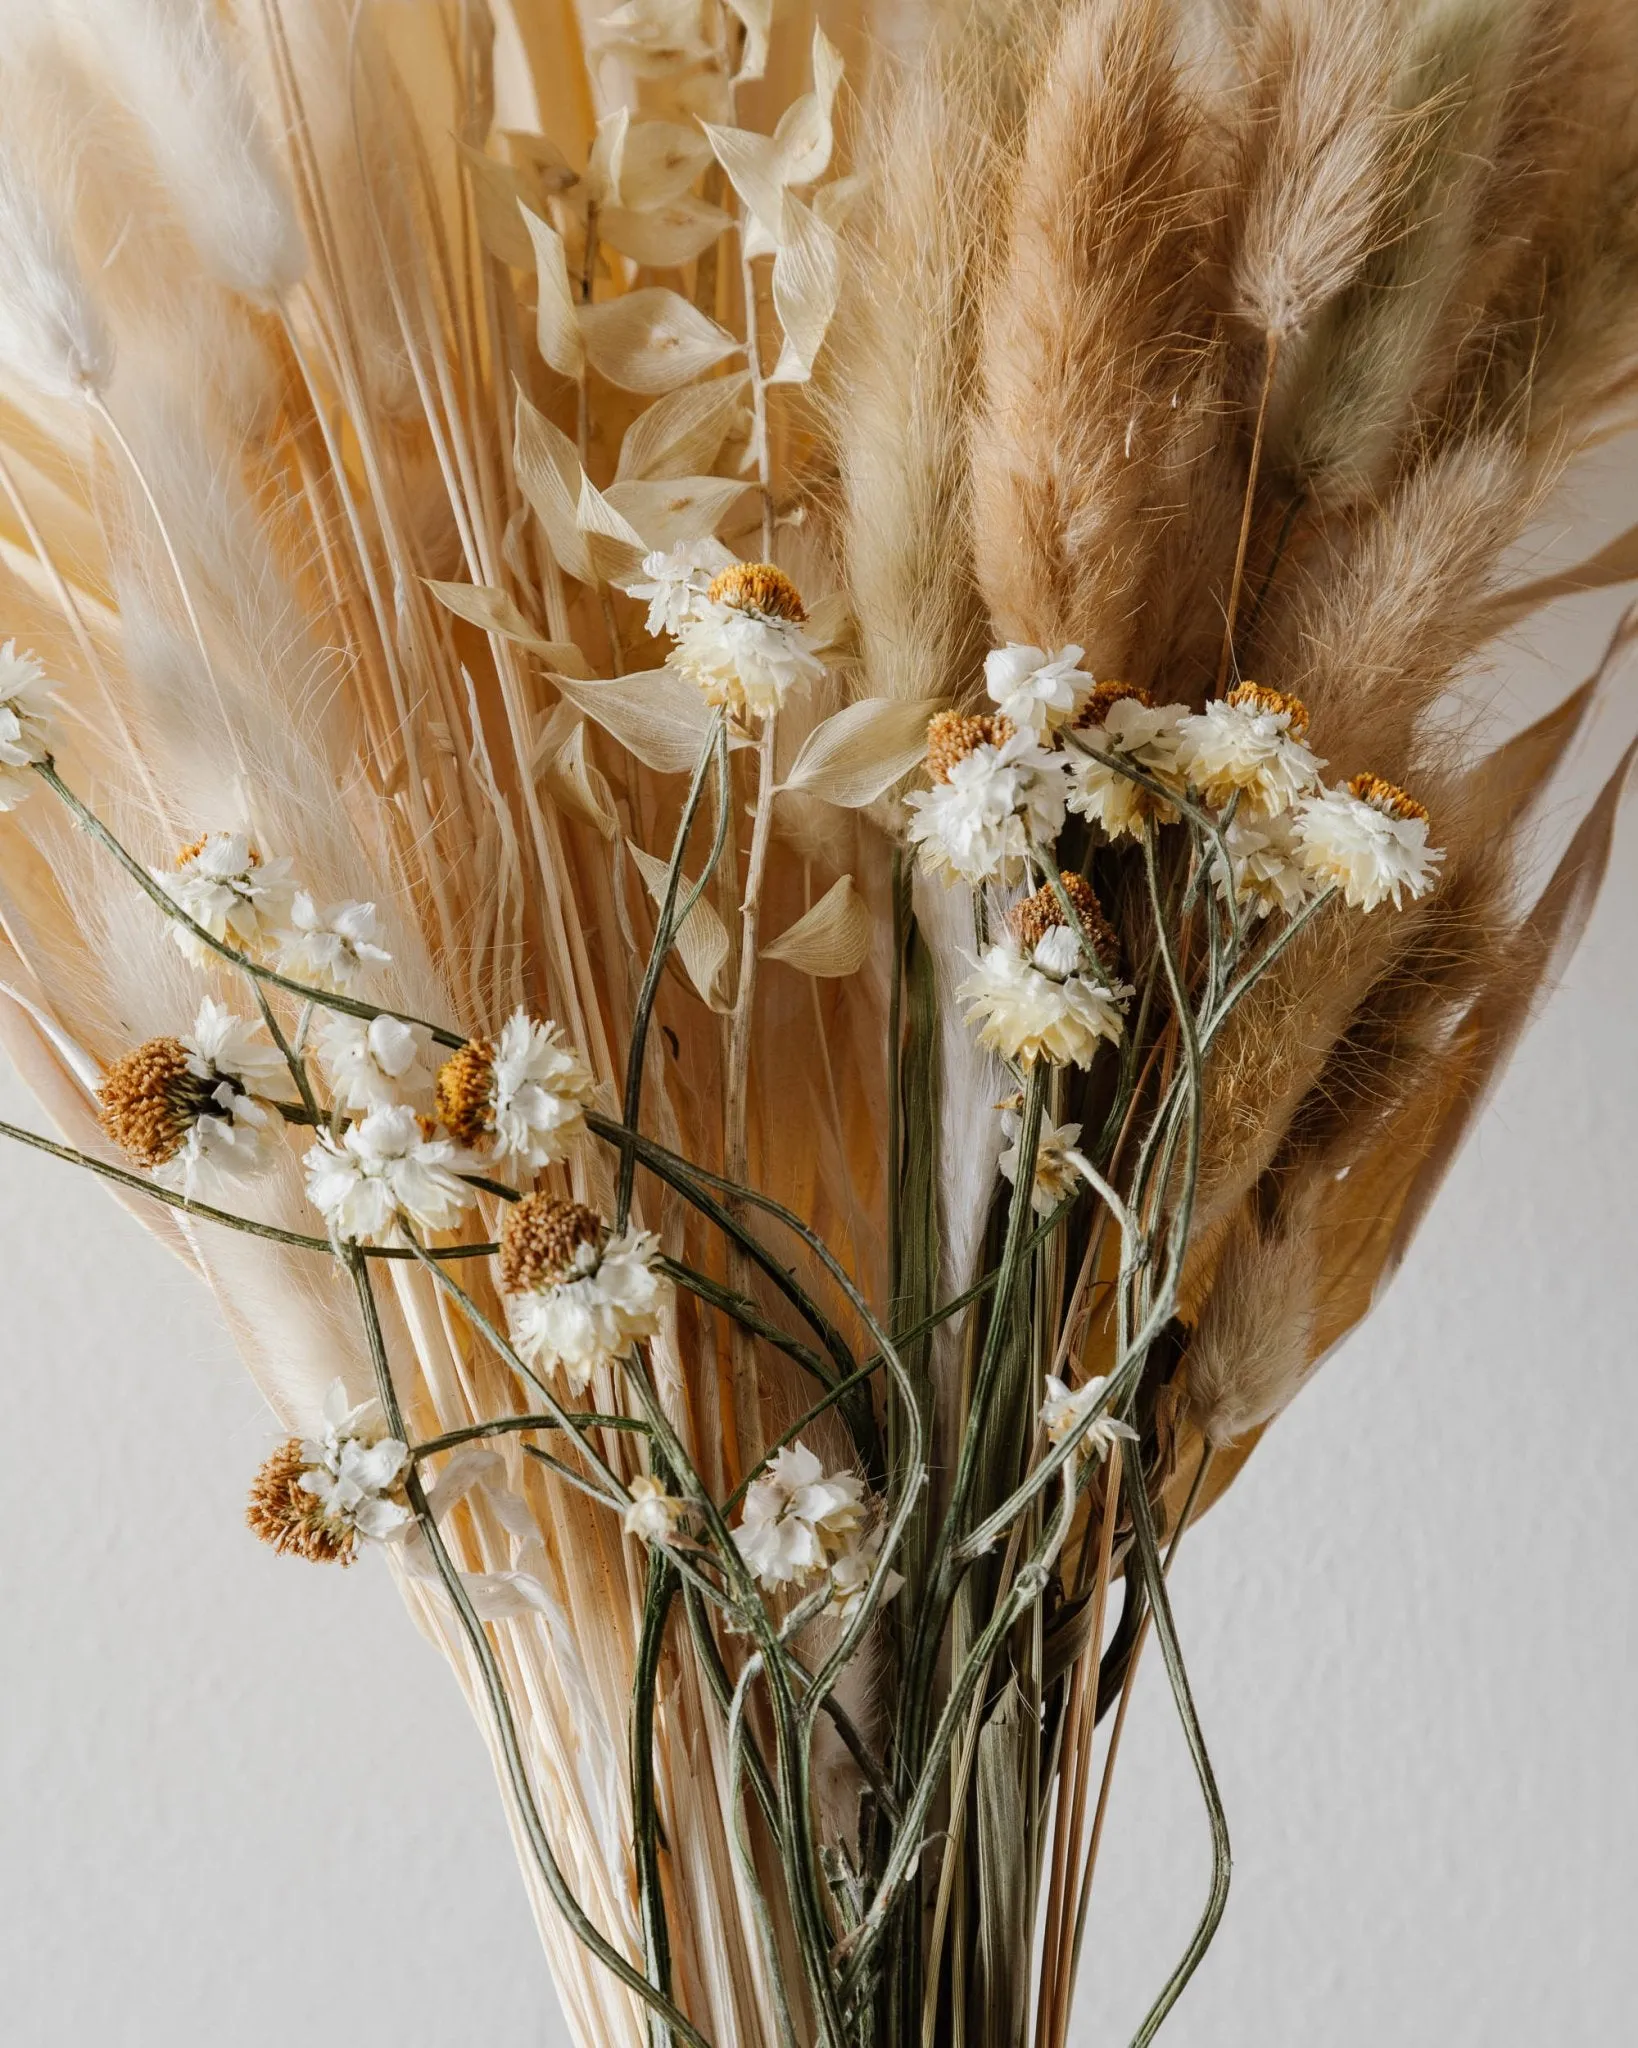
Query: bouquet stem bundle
756	812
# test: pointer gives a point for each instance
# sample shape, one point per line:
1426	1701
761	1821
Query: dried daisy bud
1249	745
1099	700
576	1298
1369	840
541	1241
316	1496
758	587
522	1097
283	1514
180	1105
745	648
952	736
1041	913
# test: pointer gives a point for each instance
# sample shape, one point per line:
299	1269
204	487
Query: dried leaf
663	237
653	340
499	194
655	715
755	167
702	938
666	511
1508	780
1001	1827
1616	562
605	162
577	787
804	136
860	752
548	471
495	612
681	435
557	330
658	163
807	280
830	940
756	16
614	544
550	168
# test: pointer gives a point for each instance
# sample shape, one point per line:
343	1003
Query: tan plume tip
1102	698
541	1236
1260	697
1386	797
151	1099
466	1092
1032	919
951	737
283	1514
758	587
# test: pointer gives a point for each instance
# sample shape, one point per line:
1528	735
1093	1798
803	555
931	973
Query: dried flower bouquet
745	810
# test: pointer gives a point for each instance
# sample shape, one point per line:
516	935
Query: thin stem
1271	353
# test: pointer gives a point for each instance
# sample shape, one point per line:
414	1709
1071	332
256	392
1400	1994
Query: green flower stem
745	1856
745	1311
508	1425
1154	1581
327	999
204	1213
666	928
659	1594
296	1065
500	1707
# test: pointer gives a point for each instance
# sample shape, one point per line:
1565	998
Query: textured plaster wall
240	1802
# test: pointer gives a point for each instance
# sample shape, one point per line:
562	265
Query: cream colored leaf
702	938
807	279
804	136
557	331
859	753
681	435
549	167
577	787
830	940
498	192
757	17
754	167
614	544
663	236
661	159
655	715
606	162
830	624
674	509
548	471
653	340
495	612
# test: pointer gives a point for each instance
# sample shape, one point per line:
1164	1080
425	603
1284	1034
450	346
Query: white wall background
1410	1626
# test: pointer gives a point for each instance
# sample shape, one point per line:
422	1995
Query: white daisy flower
1066	1406
852	1566
1370	840
521	1098
352	1465
745	647
25	725
375	1064
654	1514
576	1298
1058	1164
797	1518
994	802
384	1173
1249	743
1032	687
330	948
1264	856
1127	727
675	581
224	885
1043	1006
197	1110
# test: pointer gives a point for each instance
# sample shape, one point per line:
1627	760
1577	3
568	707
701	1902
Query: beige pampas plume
1252	1347
171	64
52	335
1090	321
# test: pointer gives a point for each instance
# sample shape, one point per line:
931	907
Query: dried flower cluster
836	1049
